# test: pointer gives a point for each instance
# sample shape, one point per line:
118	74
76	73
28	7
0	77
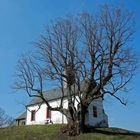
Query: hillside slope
52	132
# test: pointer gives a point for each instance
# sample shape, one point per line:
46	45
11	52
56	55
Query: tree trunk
82	119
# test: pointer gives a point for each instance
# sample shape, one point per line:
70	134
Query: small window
33	115
95	111
48	113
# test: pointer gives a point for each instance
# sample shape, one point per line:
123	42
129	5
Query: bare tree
5	120
87	55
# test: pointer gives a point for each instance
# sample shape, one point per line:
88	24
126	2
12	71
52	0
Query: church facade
38	112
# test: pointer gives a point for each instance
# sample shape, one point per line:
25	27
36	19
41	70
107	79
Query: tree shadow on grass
115	132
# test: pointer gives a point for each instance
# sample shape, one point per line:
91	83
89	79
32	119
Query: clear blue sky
22	21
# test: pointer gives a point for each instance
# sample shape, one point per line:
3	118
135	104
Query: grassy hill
52	132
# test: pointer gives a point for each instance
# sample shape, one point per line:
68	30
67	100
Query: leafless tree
89	56
5	120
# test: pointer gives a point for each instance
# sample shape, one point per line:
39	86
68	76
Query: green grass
52	132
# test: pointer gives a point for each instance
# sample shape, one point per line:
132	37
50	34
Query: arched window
94	111
48	113
33	115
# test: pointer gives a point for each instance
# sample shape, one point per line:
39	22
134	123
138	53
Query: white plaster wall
58	118
91	120
40	116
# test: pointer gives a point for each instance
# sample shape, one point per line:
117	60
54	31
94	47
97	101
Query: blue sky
22	21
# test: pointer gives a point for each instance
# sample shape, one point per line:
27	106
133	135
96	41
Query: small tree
88	56
5	120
